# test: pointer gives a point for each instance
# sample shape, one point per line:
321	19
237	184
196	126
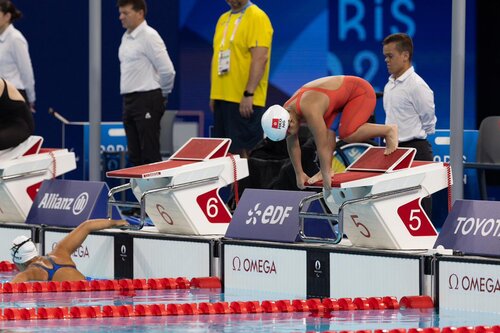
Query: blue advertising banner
269	215
358	27
67	203
473	227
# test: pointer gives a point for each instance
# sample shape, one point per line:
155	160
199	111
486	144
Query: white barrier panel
159	258
316	271
358	275
469	285
22	174
118	254
264	270
181	195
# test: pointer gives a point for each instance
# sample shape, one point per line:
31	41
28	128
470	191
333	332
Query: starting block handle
324	216
24	174
142	204
340	216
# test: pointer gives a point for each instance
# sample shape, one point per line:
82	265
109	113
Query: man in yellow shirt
240	74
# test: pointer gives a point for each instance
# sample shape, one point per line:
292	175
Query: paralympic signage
472	227
270	215
67	203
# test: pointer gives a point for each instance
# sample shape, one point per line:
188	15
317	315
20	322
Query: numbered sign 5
363	230
415	220
213	207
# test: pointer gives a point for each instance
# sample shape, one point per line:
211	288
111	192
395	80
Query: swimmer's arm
324	149
293	147
71	242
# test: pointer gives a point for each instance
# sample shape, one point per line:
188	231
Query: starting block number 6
213	207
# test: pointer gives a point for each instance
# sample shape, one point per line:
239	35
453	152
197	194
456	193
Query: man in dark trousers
146	78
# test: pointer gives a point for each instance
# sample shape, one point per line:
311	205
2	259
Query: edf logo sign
270	215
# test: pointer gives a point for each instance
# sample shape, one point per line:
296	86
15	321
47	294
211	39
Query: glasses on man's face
16	247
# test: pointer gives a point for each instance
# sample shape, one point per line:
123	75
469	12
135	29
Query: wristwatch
247	94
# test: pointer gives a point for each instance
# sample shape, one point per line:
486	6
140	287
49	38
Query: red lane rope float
111	285
206	282
7	266
417	302
52	313
268	306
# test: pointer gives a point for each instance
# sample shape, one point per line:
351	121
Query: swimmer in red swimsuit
57	265
318	103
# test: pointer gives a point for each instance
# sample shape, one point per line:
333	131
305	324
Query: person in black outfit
16	120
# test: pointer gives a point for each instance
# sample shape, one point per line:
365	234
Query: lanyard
236	24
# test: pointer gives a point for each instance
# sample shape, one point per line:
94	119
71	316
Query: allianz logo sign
56	202
269	215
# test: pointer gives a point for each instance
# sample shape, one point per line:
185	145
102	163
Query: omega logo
473	283
263	266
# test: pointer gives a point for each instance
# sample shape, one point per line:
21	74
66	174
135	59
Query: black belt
141	92
412	140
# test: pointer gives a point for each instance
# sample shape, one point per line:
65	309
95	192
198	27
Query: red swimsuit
354	100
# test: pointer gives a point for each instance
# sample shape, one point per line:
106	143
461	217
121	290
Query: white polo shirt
144	62
409	103
15	62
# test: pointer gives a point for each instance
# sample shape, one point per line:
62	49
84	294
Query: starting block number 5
415	220
213	207
363	230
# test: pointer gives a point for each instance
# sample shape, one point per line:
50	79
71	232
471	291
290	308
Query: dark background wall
57	32
488	59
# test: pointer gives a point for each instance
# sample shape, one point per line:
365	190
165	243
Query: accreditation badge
224	57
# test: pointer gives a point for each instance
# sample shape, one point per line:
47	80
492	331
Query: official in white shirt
15	61
146	78
408	100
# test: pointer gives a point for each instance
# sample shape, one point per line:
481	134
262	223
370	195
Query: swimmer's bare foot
391	139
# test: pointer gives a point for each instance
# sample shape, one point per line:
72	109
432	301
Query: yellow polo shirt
254	29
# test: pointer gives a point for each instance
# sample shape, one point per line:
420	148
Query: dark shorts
244	133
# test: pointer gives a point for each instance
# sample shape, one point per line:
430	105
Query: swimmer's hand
301	179
120	224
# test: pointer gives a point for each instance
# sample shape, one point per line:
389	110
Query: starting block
181	195
22	170
377	200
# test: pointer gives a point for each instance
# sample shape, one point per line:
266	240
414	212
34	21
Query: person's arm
158	55
423	100
260	57
23	61
293	146
323	138
75	238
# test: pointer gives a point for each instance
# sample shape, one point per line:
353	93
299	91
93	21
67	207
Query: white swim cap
23	249
275	122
